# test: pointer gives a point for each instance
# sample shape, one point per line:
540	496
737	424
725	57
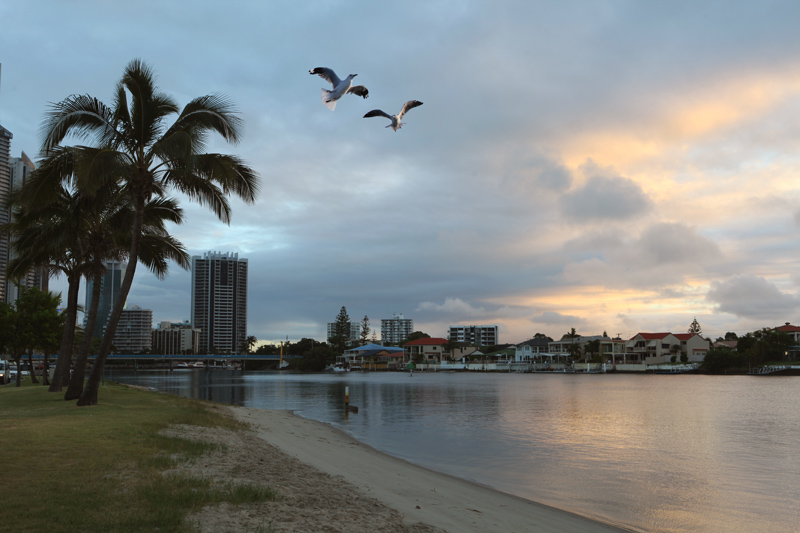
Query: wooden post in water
347	407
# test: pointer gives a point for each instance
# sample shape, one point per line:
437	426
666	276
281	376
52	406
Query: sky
609	166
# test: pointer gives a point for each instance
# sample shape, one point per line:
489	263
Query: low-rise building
428	349
175	338
694	346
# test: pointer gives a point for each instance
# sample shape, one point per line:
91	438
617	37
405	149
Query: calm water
651	453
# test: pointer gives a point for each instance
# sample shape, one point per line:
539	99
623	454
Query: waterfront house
794	333
359	356
694	346
428	349
531	349
652	348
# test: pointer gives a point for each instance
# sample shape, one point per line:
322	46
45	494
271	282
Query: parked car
5	372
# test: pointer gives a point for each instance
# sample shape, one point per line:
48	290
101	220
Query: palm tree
137	149
156	248
50	235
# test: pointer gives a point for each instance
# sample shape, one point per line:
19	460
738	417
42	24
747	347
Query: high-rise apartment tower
219	302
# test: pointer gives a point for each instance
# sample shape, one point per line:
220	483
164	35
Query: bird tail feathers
330	104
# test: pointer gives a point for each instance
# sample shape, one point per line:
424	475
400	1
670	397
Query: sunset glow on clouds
608	166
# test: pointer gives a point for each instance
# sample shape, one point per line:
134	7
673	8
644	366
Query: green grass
98	468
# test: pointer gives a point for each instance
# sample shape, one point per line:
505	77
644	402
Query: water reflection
654	453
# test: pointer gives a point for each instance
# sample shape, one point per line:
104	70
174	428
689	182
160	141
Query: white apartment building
355	331
396	329
176	338
134	331
475	335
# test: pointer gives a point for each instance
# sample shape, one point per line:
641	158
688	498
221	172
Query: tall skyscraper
19	170
109	292
5	189
219	301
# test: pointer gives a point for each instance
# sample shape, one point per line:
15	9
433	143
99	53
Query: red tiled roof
787	328
684	336
433	341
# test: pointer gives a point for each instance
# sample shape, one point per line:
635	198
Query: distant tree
268	349
341	332
695	327
720	360
542	336
36	322
250	342
315	359
592	350
575	351
7	322
364	330
571	334
417	335
731	336
674	350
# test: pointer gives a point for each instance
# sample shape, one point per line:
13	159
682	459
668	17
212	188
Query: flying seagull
340	87
396	124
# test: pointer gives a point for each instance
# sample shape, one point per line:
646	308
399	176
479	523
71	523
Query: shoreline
420	495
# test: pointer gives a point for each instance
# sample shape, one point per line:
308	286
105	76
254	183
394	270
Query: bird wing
408	106
359	90
327	75
378	113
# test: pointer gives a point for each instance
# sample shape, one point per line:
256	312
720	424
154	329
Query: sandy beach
331	482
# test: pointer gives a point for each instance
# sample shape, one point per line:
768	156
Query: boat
183	364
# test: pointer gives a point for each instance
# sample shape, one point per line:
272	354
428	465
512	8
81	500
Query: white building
396	329
134	331
355	331
475	335
176	338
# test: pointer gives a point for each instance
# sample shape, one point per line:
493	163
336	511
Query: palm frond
82	116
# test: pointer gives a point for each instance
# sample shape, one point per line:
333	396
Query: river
646	452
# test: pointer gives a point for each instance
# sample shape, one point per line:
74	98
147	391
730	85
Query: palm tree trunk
18	361
76	381
33	370
45	368
61	374
89	395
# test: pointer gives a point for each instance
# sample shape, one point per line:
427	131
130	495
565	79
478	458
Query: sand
329	481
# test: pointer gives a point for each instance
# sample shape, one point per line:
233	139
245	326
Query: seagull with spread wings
340	87
396	124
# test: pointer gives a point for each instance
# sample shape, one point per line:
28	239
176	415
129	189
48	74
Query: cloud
605	198
553	318
750	296
453	306
663	254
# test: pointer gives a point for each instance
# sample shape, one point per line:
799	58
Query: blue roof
375	347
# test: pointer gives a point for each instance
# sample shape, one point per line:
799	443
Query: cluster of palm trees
109	199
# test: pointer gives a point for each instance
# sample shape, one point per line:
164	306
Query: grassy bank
99	468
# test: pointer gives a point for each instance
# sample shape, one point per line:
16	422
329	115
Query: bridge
178	358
